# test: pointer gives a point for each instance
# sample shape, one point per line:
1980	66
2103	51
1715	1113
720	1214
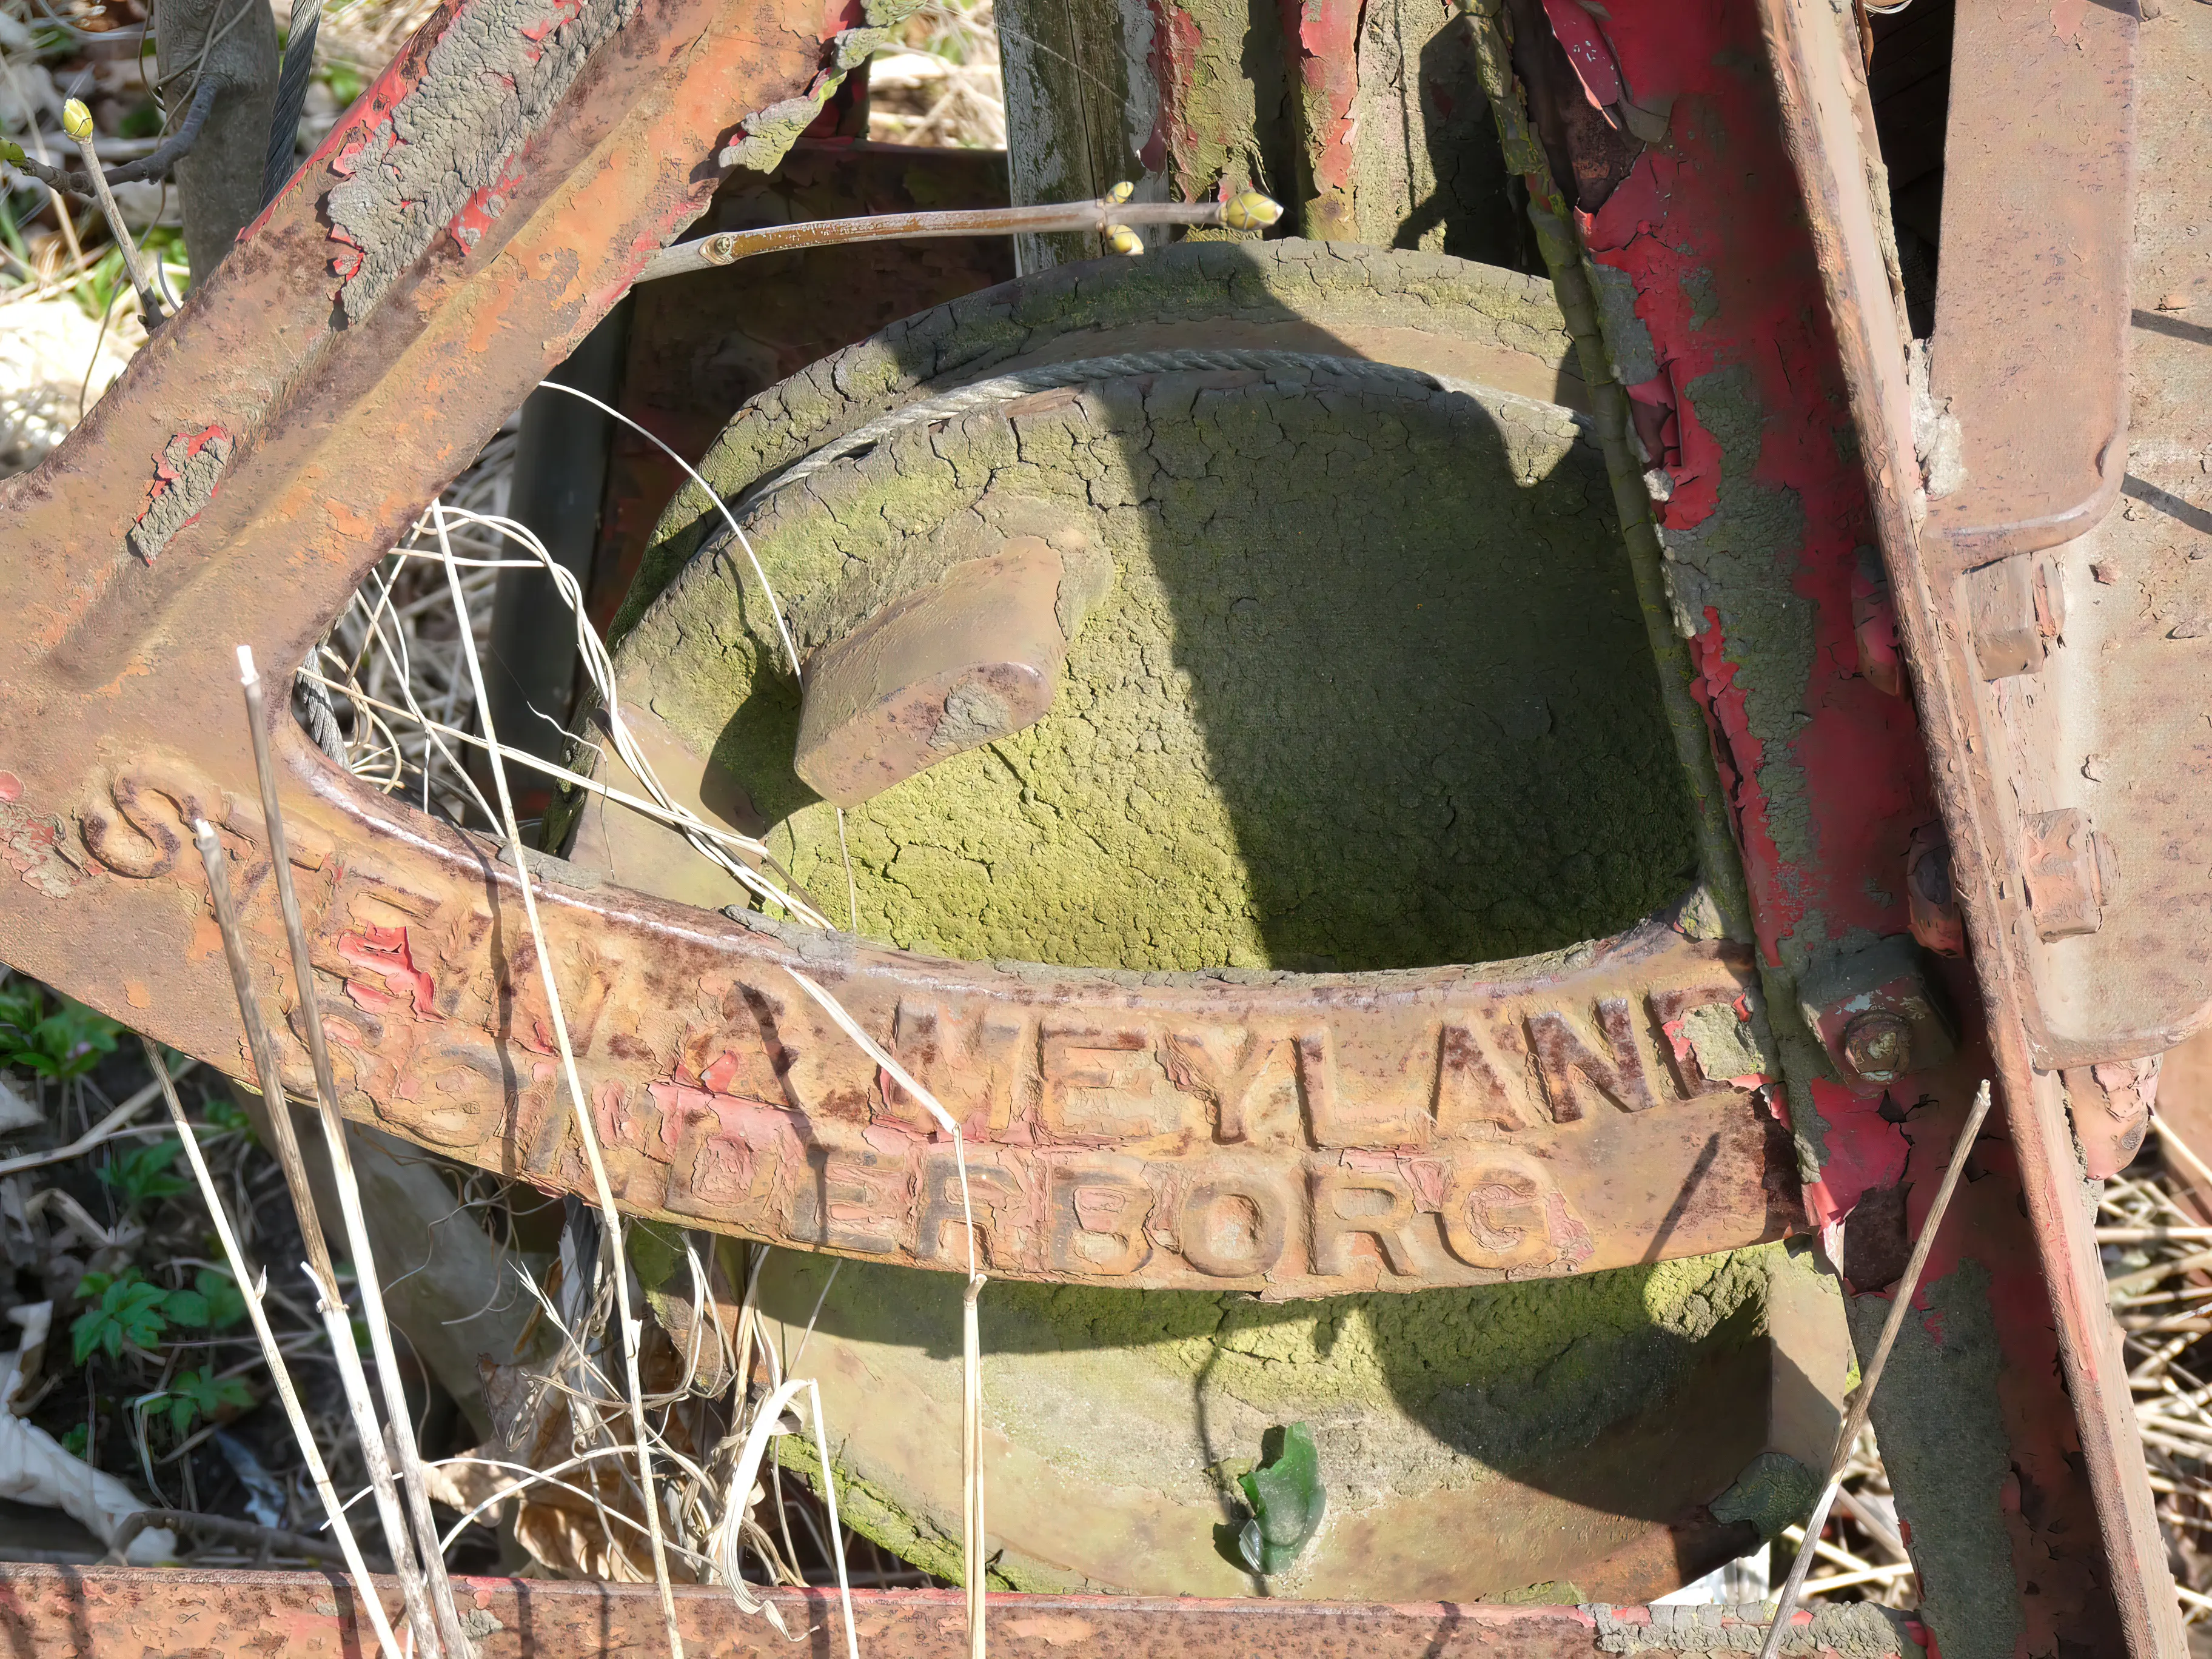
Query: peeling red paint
385	952
1177	40
1326	33
1862	1152
1588	51
480	210
1832	768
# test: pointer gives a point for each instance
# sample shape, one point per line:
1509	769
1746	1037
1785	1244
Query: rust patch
185	481
36	847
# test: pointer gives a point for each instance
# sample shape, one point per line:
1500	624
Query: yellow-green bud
77	119
1122	240
1121	192
1250	211
10	151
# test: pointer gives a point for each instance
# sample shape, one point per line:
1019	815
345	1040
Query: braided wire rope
291	96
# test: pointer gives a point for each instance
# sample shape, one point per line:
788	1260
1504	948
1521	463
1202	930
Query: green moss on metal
1368	688
1333	284
1775	1491
1405	1393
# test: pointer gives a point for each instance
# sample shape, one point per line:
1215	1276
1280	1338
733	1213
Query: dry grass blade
321	1267
448	1635
580	1112
252	1289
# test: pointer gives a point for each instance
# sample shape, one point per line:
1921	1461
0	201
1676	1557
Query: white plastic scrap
35	1469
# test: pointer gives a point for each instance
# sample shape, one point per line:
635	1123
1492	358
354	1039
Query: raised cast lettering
1099	1208
1336	1114
1371	1204
1577	1075
1105	1084
1494	1212
1233	1229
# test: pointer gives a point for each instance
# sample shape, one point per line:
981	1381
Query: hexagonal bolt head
1934	906
1878	1014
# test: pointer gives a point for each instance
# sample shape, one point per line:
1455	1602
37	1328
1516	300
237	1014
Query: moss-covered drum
1251	614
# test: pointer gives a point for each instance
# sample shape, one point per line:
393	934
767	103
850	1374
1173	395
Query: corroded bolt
2067	867
1878	1046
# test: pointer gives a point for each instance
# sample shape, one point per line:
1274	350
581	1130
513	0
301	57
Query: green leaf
225	1303
182	1409
73	1443
655	1249
188	1309
1286	1498
142	1175
85	1333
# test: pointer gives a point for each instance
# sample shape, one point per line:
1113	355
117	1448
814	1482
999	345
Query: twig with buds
1112	216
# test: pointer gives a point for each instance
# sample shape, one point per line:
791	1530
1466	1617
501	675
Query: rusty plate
2028	368
1292	1135
306	1615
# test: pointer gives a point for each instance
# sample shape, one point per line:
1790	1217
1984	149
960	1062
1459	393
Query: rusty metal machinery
1871	577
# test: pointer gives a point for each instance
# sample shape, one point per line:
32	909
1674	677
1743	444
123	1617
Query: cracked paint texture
444	155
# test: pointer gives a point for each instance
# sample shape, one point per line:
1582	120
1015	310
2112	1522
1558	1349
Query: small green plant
344	82
142	1175
124	1309
201	1394
214	1302
1287	1499
66	1043
227	1117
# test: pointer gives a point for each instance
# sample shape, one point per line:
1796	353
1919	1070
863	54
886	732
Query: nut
1878	1046
1878	1013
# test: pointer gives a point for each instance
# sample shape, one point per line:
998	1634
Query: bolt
1878	1046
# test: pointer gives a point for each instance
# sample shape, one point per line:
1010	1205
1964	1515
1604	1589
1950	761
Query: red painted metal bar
1781	456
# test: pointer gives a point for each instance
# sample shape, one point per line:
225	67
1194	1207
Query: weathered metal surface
726	1099
99	1611
1294	1138
1603	1440
2074	642
972	658
1721	331
1825	118
2028	371
1368	121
